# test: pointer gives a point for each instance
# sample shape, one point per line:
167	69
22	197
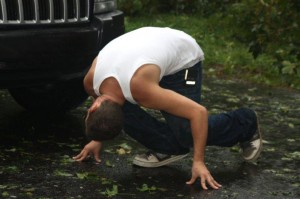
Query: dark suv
47	46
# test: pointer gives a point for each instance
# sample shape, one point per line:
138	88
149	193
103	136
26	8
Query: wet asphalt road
36	151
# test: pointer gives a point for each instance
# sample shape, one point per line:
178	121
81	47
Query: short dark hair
106	122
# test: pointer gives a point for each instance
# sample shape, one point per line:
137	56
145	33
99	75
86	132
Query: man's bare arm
148	93
88	80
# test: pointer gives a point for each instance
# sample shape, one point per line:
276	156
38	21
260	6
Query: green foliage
150	189
131	7
111	192
62	173
271	27
205	7
145	187
268	28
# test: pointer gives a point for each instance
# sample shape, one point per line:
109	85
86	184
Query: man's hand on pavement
92	148
199	170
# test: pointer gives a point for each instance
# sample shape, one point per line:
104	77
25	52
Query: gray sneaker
251	149
152	159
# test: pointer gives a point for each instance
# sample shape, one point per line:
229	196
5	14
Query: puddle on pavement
36	151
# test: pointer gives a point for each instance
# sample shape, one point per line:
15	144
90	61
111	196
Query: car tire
51	98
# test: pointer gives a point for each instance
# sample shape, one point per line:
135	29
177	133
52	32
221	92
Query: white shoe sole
158	164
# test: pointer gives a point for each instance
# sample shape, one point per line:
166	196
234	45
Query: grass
225	56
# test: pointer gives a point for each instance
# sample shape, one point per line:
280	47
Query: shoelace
148	153
157	155
248	147
249	144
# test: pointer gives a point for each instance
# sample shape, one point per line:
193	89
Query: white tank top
171	50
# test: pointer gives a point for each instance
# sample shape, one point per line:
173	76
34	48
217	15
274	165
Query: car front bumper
44	54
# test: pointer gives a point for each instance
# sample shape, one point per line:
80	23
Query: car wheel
50	98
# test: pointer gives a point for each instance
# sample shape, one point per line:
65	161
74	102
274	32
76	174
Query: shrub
272	27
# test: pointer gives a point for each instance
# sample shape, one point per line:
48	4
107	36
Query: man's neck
110	88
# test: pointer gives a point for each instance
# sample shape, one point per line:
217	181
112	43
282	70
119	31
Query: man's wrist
198	161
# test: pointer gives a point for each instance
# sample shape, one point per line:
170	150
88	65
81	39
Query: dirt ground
36	151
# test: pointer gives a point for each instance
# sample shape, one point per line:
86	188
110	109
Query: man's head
104	120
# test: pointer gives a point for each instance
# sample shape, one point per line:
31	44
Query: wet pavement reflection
36	151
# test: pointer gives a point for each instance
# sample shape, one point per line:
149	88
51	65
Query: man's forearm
199	127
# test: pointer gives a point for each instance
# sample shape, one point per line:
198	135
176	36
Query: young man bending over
160	68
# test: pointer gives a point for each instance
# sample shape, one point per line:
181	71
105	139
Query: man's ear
95	105
93	108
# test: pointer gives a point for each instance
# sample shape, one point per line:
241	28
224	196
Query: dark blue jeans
174	136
